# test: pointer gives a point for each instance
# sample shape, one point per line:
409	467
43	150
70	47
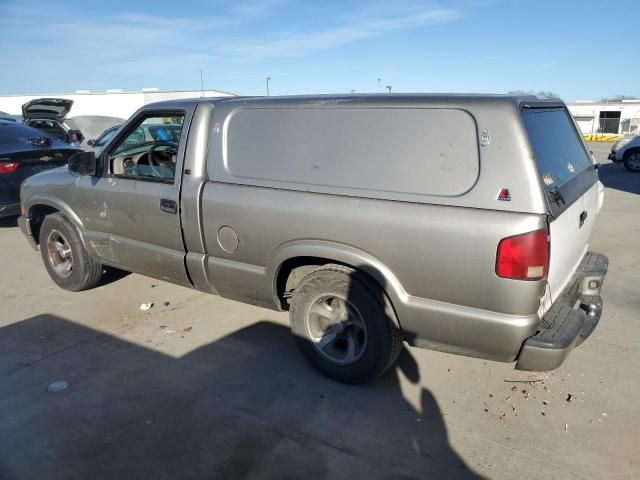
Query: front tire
69	264
344	324
632	161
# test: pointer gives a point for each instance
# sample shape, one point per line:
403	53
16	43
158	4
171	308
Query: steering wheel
151	157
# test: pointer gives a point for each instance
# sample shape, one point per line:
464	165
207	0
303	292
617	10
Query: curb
600	137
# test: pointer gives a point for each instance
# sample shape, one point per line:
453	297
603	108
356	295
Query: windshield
106	136
559	152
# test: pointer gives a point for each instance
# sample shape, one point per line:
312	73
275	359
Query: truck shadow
614	175
244	406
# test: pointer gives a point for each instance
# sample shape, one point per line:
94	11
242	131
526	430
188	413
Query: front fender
54	202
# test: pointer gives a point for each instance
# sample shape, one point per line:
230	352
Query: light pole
268	78
389	88
379	84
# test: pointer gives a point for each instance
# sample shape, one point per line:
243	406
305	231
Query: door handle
169	206
583	217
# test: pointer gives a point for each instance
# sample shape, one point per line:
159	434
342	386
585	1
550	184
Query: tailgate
569	179
570	233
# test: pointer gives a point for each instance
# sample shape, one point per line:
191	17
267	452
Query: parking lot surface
202	387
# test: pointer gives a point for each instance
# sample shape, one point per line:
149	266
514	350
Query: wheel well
631	151
292	271
37	214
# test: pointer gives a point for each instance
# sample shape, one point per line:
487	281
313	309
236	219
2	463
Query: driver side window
149	151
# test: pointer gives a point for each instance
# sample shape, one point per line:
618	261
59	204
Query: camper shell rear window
564	165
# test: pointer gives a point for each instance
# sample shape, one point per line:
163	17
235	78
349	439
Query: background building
607	118
112	103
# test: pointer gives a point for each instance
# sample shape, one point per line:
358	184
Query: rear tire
632	161
69	264
344	324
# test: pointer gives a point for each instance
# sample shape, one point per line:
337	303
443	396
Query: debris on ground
525	381
604	414
154	285
169	330
166	304
566	426
146	306
187	329
544	402
569	397
58	386
163	327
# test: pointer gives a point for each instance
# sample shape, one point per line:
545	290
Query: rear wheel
65	257
632	161
344	324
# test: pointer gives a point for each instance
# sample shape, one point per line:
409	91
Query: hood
49	108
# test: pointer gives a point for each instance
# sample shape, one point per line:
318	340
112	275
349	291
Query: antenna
201	83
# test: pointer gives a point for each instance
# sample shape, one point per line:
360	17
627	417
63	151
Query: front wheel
632	161
65	258
344	324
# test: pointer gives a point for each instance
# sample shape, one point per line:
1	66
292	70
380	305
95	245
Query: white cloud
86	49
300	44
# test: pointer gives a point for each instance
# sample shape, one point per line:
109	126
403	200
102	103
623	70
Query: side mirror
91	143
83	164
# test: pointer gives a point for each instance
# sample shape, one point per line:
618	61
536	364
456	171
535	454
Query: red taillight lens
524	257
8	167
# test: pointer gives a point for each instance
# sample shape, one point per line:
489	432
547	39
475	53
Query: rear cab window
565	168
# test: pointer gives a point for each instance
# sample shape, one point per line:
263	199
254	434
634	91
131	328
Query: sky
577	49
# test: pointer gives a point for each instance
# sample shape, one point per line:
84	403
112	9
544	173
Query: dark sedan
25	151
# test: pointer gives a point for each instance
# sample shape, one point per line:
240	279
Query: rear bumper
9	210
570	320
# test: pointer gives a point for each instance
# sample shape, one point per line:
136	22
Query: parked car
148	133
7	117
104	138
454	222
25	151
48	115
627	150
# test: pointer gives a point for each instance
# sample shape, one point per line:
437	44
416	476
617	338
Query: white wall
587	115
116	104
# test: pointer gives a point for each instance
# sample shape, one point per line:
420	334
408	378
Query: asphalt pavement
202	387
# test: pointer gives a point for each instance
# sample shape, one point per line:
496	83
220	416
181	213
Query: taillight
8	167
524	257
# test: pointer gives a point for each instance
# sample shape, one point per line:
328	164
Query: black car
48	115
25	151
